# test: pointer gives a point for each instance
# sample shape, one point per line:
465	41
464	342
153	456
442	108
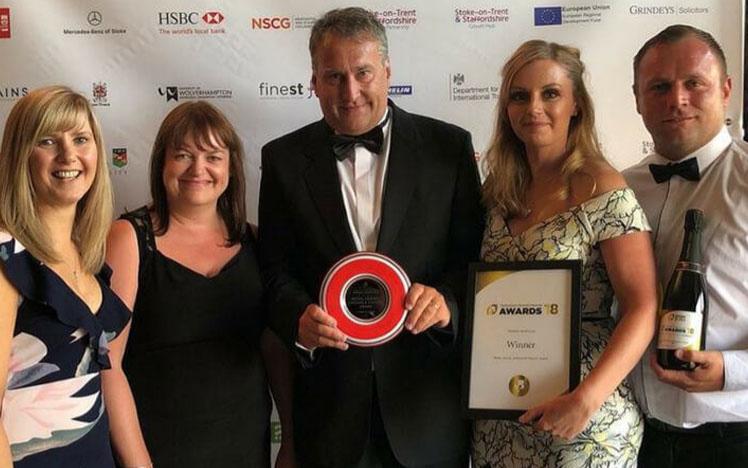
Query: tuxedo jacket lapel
324	186
402	167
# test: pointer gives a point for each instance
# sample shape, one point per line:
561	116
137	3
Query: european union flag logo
545	16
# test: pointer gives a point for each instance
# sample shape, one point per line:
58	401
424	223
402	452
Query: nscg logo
271	22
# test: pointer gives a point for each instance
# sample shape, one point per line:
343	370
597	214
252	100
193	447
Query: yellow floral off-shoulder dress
614	434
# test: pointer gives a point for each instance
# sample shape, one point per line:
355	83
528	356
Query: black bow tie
342	145
688	169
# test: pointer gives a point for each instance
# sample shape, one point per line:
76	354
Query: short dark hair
200	120
348	22
675	33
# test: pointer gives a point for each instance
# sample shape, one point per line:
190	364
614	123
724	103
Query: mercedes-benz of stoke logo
94	18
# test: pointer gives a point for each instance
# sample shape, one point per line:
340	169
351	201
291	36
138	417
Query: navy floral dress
53	410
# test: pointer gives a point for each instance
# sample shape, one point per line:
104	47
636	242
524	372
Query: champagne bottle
685	307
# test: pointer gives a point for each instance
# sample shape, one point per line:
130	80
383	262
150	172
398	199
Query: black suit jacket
431	224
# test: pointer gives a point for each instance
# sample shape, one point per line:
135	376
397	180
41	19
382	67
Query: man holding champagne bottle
696	415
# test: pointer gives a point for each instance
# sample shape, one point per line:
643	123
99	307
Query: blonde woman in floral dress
552	196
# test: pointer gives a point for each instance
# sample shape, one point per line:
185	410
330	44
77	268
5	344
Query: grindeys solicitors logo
4	23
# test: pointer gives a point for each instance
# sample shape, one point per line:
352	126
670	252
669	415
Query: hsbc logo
213	17
185	18
271	22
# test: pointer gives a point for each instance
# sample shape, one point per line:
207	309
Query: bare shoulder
122	235
595	178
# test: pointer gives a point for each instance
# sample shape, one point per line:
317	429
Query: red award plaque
365	293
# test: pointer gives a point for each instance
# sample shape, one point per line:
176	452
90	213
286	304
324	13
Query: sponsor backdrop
136	60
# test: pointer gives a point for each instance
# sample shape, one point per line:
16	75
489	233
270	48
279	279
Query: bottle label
680	329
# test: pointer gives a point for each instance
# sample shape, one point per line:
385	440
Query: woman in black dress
186	265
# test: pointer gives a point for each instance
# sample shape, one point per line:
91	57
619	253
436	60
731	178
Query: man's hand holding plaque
367	299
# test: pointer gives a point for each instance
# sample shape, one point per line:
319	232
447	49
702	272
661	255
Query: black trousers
378	452
712	445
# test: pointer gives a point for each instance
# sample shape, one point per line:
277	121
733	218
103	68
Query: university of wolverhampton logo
99	93
4	23
119	157
171	93
547	16
94	18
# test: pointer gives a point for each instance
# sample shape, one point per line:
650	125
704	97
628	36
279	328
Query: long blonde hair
508	172
42	112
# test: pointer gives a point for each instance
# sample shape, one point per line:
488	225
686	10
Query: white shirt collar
707	153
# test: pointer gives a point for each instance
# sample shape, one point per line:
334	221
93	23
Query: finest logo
284	91
4	23
119	157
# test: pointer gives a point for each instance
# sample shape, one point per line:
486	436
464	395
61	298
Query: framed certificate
522	334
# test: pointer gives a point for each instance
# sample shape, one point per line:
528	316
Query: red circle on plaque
385	274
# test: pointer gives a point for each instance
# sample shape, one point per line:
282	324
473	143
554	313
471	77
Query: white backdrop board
137	59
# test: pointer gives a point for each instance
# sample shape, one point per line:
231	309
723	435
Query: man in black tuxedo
409	189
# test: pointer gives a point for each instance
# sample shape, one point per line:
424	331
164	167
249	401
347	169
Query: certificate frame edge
575	266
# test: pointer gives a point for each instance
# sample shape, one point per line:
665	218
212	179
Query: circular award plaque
365	293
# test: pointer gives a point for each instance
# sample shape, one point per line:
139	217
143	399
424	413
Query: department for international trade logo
547	16
461	90
99	94
4	23
175	93
519	385
119	157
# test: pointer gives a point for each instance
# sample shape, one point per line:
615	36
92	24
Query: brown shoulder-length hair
38	114
508	172
200	120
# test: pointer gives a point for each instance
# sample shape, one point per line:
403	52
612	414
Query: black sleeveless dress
193	359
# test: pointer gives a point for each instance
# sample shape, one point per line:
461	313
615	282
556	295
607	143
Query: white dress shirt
362	177
722	194
362	183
